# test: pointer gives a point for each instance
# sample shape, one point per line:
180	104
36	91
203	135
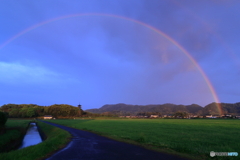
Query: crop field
194	138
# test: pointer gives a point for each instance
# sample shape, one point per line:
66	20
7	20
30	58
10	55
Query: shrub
3	118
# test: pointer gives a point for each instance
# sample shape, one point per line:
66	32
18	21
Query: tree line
33	110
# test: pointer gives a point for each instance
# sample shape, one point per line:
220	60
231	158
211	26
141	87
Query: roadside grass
193	138
56	139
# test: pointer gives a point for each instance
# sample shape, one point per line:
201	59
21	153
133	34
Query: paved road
89	146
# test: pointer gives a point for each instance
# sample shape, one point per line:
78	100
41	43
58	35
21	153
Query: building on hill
80	106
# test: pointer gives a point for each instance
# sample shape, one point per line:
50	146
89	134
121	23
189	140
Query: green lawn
192	137
56	139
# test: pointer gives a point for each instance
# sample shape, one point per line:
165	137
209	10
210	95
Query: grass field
191	137
56	139
17	123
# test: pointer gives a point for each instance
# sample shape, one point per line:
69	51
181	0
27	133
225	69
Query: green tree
30	112
14	112
8	107
23	112
181	115
3	120
63	110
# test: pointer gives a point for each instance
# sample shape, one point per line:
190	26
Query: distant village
226	116
212	110
154	116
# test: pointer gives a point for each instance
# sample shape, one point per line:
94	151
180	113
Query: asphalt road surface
89	146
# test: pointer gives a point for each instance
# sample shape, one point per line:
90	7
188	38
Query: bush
3	118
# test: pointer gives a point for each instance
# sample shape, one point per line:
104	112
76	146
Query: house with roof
154	116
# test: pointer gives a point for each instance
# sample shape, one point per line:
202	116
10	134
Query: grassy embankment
56	139
194	138
15	131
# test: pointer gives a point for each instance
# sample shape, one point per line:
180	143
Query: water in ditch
32	136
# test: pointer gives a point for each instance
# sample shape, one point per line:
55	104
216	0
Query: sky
139	52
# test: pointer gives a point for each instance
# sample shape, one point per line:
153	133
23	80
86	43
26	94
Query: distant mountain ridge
169	108
134	109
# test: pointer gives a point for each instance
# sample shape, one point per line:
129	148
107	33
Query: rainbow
215	97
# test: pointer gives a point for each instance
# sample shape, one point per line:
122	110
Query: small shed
47	117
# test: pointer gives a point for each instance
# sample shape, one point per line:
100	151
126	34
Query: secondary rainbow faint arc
215	97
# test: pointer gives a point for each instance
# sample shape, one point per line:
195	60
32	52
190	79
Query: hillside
227	108
134	109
